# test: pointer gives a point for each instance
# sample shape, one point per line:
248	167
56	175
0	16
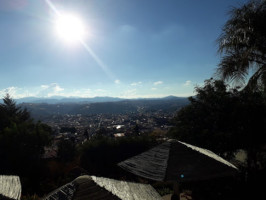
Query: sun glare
70	28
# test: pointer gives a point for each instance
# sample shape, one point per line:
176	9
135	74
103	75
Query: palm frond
242	43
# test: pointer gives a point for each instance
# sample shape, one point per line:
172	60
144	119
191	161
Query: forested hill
169	104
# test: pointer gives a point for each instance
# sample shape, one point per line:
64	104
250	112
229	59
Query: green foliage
222	120
100	156
243	45
22	143
11	113
66	150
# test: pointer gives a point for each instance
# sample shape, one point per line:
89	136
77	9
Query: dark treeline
225	121
22	143
229	113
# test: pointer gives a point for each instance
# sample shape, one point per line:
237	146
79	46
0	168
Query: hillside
169	104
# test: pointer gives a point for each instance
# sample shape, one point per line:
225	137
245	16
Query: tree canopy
242	44
22	142
222	120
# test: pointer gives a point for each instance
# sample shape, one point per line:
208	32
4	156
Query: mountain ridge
127	106
85	100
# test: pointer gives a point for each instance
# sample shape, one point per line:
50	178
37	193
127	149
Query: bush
100	156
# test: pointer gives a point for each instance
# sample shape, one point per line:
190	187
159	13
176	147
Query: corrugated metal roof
10	187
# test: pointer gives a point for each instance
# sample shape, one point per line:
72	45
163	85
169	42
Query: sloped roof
10	187
94	188
66	192
127	190
178	161
150	164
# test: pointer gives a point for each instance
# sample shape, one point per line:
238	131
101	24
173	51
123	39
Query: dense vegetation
226	120
228	116
223	120
22	143
101	155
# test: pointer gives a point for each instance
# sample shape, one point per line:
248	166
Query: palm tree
242	45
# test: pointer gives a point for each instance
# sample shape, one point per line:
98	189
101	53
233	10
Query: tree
22	143
100	155
9	111
243	45
223	120
206	121
66	150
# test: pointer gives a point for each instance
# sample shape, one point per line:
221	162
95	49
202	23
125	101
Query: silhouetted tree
10	112
223	120
136	130
100	155
22	143
66	150
243	45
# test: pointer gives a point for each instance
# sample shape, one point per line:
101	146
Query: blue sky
141	48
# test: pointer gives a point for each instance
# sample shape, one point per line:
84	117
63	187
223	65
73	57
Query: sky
131	48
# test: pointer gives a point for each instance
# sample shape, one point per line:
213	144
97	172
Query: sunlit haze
120	48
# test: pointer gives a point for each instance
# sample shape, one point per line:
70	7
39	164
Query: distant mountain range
60	99
41	108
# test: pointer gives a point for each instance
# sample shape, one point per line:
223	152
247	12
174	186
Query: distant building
119	135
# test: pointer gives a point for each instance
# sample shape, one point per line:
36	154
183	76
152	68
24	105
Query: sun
70	28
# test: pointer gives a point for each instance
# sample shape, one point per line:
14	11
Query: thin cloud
136	83
10	90
44	86
117	81
187	83
127	29
158	83
15	92
129	94
52	89
153	89
173	31
78	93
100	90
